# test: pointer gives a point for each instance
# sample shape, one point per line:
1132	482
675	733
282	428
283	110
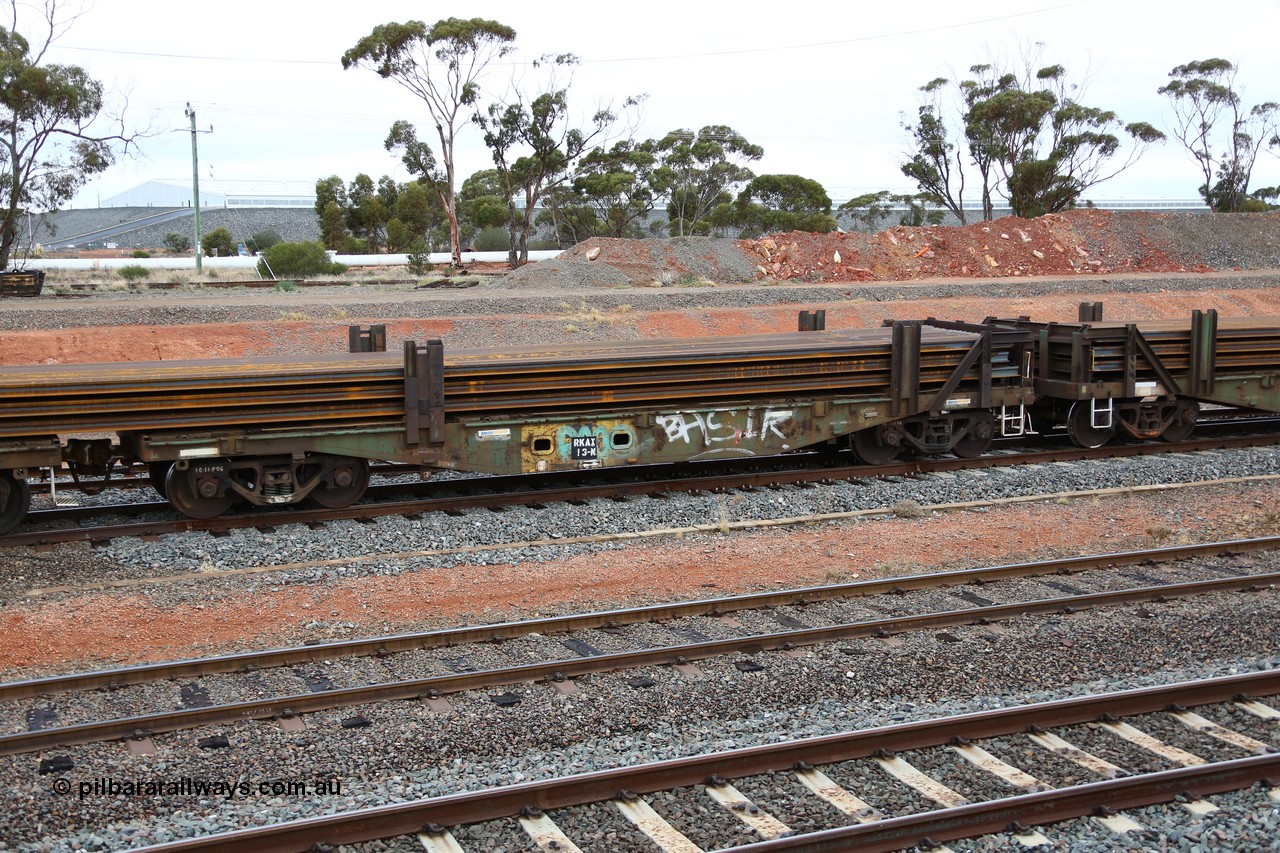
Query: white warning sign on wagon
583	448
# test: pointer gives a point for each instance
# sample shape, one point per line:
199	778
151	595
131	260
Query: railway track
532	490
439	663
1053	761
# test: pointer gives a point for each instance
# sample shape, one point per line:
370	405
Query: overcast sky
821	86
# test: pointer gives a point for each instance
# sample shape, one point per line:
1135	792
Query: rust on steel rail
445	638
415	688
263	392
519	496
473	807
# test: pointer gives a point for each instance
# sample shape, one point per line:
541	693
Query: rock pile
1072	243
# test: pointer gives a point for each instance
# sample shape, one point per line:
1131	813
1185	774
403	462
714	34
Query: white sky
820	85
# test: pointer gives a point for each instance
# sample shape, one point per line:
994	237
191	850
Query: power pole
195	186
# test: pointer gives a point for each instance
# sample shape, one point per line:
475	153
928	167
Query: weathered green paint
609	439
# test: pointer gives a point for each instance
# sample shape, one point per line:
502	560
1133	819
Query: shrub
218	243
419	258
492	240
177	243
298	260
264	240
141	253
354	246
134	272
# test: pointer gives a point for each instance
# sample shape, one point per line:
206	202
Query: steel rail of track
389	821
563	669
450	637
927	829
530	494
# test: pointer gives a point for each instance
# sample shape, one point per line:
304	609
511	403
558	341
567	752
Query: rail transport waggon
282	430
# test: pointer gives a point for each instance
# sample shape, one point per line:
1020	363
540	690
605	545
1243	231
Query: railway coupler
90	457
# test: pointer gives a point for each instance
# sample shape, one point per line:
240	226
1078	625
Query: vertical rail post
411	395
904	368
1204	351
431	375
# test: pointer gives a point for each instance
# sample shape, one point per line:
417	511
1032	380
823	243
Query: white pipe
436	258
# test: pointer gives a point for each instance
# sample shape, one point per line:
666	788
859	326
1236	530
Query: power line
585	61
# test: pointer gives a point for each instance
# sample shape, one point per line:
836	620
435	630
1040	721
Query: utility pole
195	186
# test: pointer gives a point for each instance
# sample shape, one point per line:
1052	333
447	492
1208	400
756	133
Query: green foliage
1224	137
611	196
874	210
535	150
441	65
218	243
421	211
48	149
134	272
419	258
177	243
285	285
365	217
1027	136
298	260
333	226
141	253
491	240
701	172
264	240
772	203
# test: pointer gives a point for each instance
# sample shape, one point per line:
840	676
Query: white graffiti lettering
686	426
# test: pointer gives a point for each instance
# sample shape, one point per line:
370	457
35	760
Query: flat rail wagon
279	430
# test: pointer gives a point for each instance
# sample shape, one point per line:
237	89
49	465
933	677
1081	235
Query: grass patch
586	317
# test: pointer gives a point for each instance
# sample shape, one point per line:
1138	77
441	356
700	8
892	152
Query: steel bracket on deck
1134	345
979	354
423	392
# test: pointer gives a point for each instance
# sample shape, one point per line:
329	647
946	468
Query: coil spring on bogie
275	490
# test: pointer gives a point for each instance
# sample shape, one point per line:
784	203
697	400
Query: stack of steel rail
369	387
1241	345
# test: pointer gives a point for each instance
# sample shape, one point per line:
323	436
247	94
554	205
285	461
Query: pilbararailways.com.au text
188	786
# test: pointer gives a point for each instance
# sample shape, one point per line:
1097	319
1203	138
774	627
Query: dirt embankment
1077	242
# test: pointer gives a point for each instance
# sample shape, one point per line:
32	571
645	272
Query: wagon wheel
158	472
350	479
15	500
977	441
1081	429
875	446
196	497
1183	422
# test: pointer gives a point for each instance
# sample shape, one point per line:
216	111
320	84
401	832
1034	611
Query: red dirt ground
221	340
98	629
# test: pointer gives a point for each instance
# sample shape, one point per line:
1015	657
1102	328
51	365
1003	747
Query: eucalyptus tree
52	117
700	172
536	146
1224	137
771	203
440	65
1026	135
